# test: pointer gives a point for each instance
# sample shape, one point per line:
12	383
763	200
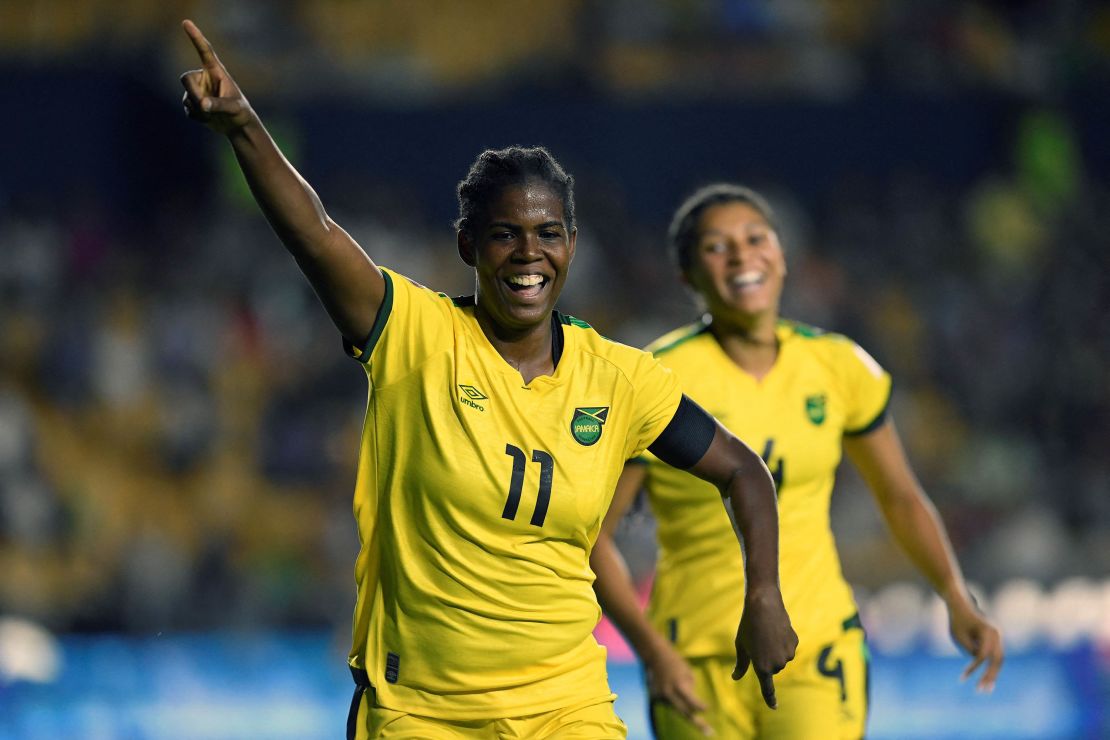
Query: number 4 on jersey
775	468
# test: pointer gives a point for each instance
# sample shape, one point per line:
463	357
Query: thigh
729	704
368	720
594	721
824	695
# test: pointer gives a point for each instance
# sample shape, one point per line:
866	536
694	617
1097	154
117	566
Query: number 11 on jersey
516	483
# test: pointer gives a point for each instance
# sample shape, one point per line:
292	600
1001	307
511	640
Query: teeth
748	278
526	280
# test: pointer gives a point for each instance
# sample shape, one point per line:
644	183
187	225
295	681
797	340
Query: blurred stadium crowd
179	425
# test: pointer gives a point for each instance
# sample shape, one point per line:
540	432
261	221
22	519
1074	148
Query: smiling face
520	252
736	264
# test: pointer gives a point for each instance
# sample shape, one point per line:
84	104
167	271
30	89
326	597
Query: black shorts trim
362	685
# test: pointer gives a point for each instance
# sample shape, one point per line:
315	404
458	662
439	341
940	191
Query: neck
750	342
528	350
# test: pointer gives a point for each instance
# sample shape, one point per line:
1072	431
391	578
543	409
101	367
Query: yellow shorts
589	722
821	694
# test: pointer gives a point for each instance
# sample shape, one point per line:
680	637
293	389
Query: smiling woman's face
736	264
521	253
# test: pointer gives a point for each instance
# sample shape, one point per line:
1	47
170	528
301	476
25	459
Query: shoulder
628	360
812	338
409	290
678	339
838	351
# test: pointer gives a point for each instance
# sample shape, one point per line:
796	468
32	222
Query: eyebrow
747	227
508	225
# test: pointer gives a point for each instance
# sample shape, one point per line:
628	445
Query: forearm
286	199
617	595
749	490
347	282
910	515
765	640
344	278
751	494
918	530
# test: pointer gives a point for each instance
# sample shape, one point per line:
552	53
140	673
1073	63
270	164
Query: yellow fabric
821	387
821	694
463	612
595	721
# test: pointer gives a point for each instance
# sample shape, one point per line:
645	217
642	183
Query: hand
671	680
211	96
765	640
981	639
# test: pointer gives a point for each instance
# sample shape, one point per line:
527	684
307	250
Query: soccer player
495	432
801	396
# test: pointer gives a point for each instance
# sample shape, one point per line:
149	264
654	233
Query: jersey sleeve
412	324
867	387
656	395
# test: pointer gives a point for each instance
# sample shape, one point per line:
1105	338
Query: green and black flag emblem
815	408
586	424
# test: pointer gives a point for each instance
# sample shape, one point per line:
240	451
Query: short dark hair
682	233
497	169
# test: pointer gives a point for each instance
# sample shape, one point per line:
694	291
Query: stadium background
178	425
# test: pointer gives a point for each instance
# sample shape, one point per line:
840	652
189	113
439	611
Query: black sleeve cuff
362	354
874	423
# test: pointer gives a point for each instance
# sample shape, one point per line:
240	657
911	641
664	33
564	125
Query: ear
572	240
466	248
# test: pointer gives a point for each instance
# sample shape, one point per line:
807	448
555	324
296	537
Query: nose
528	248
736	249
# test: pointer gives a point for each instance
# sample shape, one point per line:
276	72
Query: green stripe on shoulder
802	330
462	301
573	321
806	331
673	339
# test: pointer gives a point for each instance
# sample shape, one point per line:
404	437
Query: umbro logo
471	396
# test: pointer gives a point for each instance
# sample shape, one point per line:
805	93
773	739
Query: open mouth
747	281
526	286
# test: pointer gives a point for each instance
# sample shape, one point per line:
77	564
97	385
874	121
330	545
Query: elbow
747	468
604	544
903	507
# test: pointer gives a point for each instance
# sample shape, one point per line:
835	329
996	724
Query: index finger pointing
204	49
994	665
767	688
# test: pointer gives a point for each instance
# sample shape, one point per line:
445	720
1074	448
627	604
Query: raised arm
696	442
347	282
669	676
917	528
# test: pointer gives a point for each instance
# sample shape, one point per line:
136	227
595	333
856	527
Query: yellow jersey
478	500
822	386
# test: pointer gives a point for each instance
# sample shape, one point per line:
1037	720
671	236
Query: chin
528	315
745	311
